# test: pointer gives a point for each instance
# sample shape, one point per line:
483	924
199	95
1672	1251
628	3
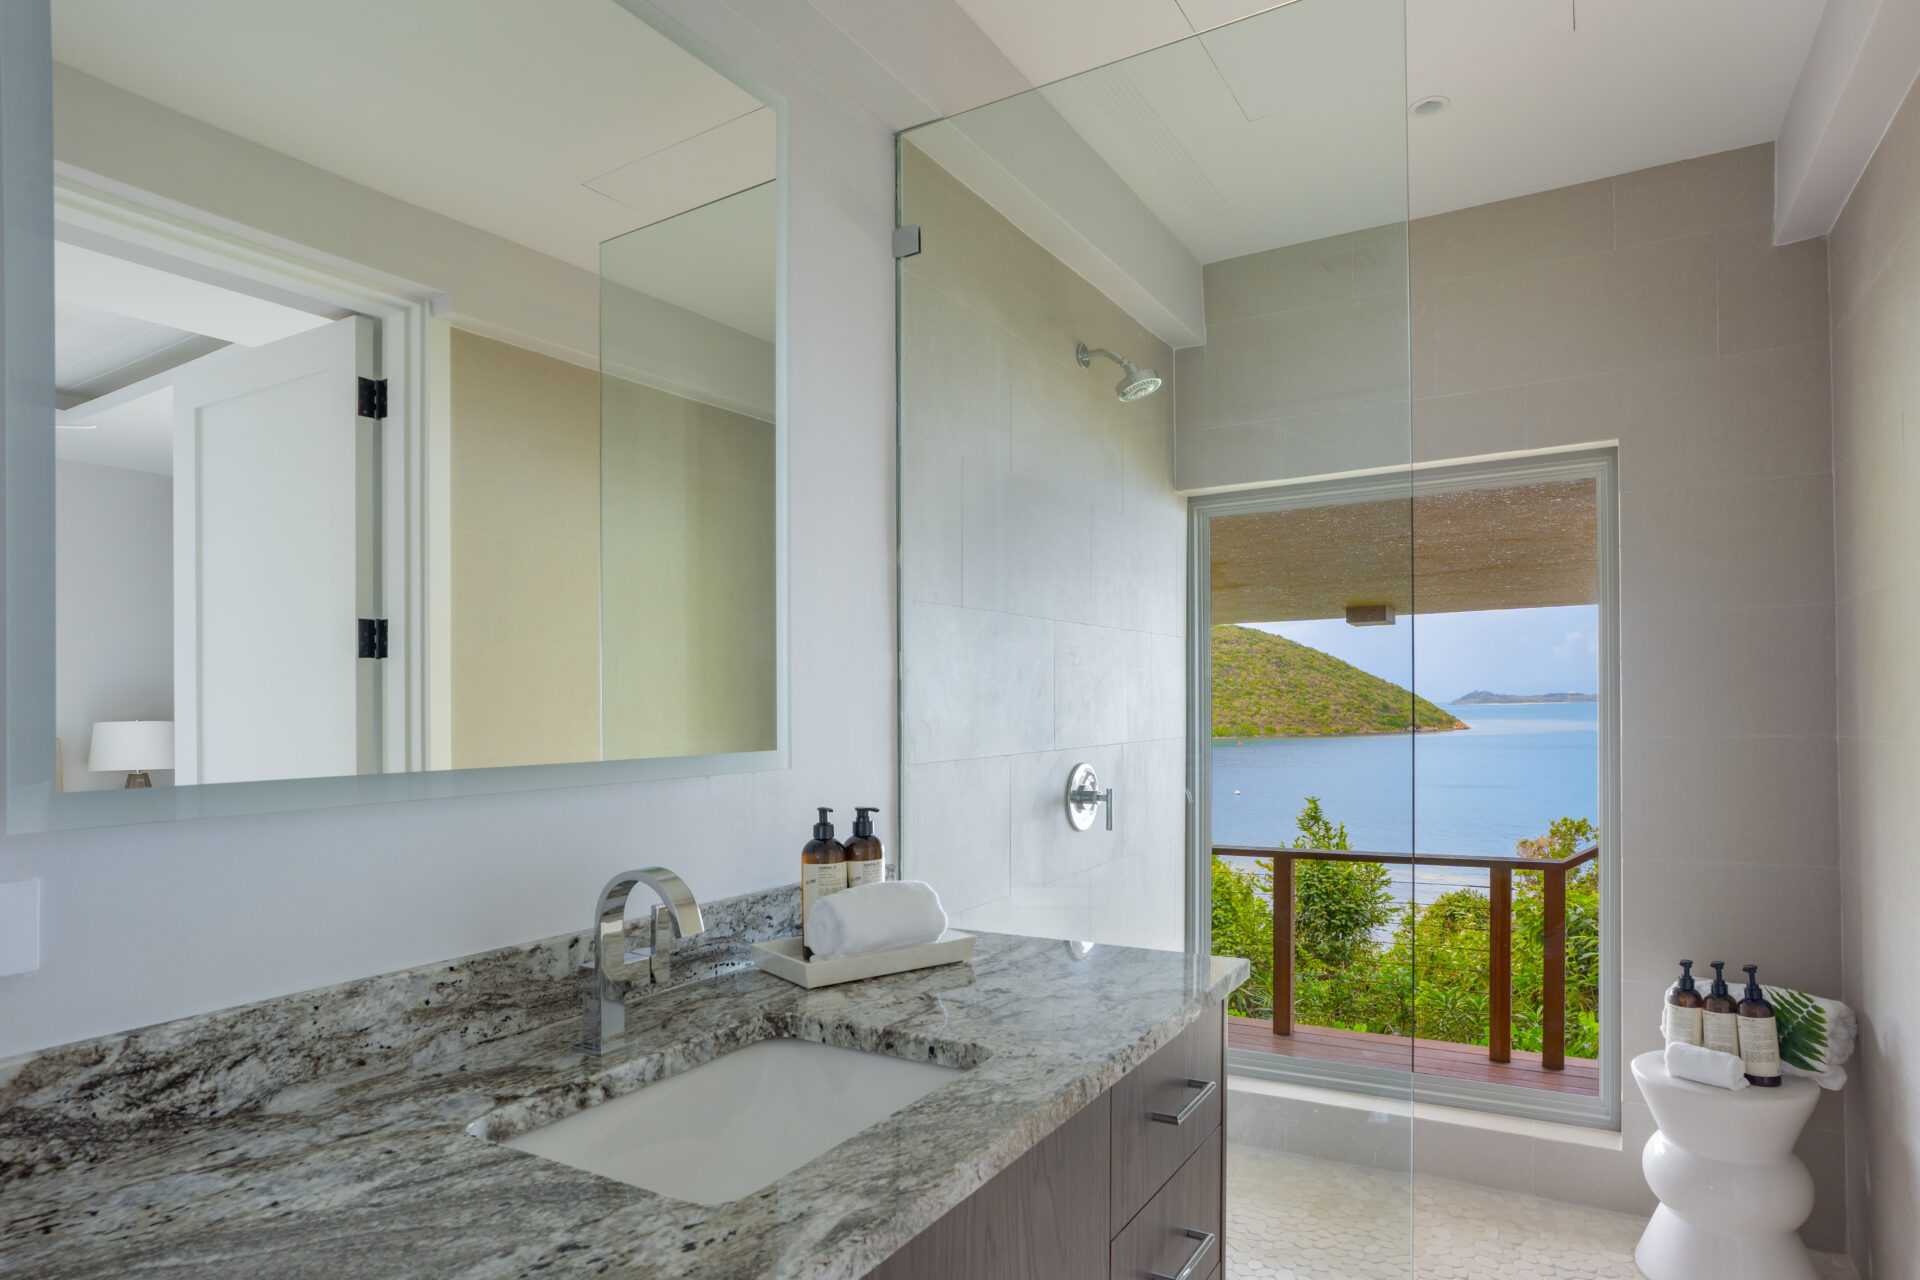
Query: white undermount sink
730	1126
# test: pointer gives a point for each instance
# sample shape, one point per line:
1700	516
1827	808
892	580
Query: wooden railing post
1282	944
1553	1023
1500	964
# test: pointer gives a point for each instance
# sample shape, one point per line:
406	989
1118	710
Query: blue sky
1501	651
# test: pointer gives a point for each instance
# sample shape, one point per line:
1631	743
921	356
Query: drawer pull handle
1193	1260
1207	1089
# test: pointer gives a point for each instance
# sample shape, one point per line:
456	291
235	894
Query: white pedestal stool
1732	1193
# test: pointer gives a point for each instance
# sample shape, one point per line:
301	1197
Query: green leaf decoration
1803	1029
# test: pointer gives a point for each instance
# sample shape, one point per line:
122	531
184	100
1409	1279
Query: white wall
113	607
225	911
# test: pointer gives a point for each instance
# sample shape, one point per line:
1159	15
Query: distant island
1480	697
1266	686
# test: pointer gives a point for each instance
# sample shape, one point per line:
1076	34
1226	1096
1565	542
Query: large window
1404	746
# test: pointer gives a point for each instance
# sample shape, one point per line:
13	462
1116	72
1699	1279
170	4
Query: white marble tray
785	958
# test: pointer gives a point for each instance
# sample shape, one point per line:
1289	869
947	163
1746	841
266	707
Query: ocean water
1476	790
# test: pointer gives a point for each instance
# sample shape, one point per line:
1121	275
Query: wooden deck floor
1426	1057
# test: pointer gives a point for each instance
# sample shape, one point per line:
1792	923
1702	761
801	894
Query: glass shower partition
1156	567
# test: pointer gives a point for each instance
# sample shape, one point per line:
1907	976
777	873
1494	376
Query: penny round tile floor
1293	1217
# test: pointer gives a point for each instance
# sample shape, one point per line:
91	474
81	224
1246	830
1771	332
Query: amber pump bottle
1719	1015
1683	1022
866	856
1759	1034
823	871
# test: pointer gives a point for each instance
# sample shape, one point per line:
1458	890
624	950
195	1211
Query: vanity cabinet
1130	1187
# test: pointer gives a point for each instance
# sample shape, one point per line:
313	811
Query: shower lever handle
1084	796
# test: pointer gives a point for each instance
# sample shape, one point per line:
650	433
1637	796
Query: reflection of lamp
131	747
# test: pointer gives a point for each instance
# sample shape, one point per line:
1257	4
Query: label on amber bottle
1760	1046
1721	1032
817	881
865	871
1683	1025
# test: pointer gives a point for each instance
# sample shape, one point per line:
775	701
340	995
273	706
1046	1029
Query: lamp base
139	779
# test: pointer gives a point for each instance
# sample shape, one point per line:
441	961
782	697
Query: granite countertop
337	1133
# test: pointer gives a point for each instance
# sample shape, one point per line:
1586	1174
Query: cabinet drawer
1146	1151
1044	1217
1170	1233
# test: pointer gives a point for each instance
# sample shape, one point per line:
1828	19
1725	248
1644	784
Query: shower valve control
1084	797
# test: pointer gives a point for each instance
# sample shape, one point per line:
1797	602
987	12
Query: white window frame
1595	462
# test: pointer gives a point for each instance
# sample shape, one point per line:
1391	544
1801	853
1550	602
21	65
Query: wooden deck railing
1553	1030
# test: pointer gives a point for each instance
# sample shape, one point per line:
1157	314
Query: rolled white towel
883	916
1708	1066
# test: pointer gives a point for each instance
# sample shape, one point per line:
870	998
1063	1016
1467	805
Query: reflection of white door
275	555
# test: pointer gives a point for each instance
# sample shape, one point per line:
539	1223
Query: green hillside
1266	686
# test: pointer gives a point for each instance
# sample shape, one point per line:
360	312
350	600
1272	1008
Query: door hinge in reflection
906	240
373	637
373	398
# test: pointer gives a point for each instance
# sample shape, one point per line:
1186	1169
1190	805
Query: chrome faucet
615	970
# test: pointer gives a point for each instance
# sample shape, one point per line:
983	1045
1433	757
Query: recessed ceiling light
1431	105
77	426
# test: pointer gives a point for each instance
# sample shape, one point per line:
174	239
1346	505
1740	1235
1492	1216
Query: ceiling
1289	126
1540	100
555	125
1277	130
1518	547
120	330
98	351
1057	38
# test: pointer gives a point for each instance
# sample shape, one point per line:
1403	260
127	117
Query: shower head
1134	384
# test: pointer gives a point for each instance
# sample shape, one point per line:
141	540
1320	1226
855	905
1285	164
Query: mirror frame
28	194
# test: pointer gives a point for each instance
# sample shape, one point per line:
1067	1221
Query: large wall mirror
394	404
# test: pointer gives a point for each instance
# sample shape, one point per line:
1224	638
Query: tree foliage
1363	962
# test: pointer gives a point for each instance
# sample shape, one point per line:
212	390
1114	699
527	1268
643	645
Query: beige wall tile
1694	197
1770	415
1774	532
1674	552
955	819
1713	796
1666	293
1048	504
1467	426
1663	425
1301	275
1671	898
1879	215
1358	439
1578	410
1063	422
1770	296
1220	456
932	534
958	395
1568	222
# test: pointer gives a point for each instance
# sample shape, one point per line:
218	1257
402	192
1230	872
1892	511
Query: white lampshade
131	746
